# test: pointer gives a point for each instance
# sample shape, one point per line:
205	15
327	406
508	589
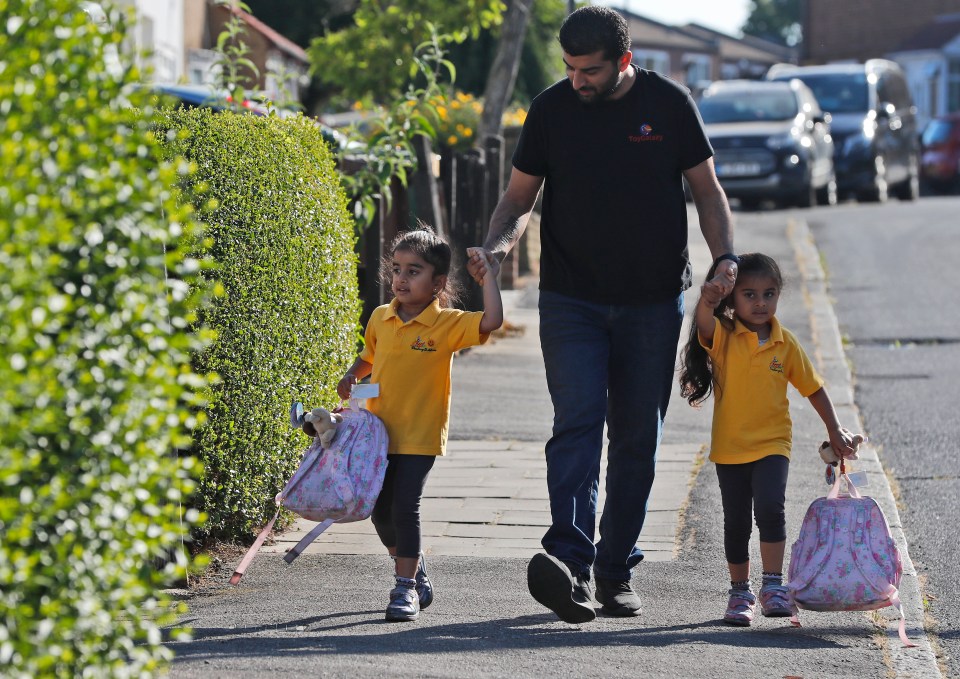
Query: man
610	143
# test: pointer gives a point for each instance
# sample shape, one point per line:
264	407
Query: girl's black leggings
757	488
396	515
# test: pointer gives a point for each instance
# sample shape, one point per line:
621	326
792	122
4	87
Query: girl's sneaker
774	601
404	605
424	586
740	607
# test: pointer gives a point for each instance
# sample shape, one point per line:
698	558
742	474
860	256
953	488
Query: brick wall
856	30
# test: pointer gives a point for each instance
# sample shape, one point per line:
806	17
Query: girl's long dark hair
697	378
434	250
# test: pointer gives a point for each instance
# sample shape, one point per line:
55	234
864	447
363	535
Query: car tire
879	191
807	197
827	194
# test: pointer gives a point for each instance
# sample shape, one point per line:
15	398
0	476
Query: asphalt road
894	276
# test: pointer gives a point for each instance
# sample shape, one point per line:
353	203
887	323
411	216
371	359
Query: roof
649	33
281	43
936	34
734	49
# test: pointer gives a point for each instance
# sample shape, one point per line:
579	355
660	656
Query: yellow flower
468	133
452	140
455	104
442	112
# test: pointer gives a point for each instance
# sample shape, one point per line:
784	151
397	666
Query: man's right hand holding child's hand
714	290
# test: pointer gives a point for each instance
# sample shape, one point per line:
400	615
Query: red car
940	162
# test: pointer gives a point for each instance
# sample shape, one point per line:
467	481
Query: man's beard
606	91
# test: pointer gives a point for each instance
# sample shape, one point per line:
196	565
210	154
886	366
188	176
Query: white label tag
361	391
859	479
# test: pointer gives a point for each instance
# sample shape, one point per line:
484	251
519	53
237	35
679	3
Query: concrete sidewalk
485	510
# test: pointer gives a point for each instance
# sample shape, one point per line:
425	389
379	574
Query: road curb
832	362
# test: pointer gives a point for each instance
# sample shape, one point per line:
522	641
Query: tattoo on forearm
510	232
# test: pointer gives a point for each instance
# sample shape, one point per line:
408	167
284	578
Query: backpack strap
294	552
252	552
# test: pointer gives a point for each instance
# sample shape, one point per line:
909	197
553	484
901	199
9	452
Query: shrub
96	387
287	322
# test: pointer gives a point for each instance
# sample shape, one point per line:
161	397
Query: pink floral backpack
845	558
336	484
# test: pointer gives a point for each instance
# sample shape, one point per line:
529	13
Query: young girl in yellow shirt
408	351
739	351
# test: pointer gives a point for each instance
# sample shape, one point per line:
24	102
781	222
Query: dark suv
771	141
874	125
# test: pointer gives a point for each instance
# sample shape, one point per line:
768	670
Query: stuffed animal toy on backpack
321	422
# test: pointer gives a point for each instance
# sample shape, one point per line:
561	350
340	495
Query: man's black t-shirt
614	220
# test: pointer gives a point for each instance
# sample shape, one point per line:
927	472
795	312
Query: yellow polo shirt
412	363
751	413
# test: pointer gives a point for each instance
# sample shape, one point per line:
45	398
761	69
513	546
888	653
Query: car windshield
747	106
937	132
839	93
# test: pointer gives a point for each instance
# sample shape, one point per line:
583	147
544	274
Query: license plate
737	169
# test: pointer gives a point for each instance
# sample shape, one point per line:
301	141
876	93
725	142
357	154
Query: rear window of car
839	93
747	106
936	132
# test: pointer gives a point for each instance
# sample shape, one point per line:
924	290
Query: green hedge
287	321
96	386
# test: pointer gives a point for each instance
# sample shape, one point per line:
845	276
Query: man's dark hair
593	29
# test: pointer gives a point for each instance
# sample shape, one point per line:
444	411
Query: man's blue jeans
612	364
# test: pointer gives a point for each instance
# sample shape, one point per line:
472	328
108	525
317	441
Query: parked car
873	123
940	160
205	96
771	141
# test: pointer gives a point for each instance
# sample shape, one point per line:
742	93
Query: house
155	35
696	55
747	57
282	65
931	59
857	30
923	37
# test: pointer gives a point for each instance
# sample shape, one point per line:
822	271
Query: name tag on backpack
362	391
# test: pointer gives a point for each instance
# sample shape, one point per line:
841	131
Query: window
652	60
697	68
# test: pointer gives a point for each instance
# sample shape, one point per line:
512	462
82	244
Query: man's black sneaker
617	597
551	583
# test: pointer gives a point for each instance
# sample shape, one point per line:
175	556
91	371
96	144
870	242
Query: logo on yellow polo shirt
776	366
420	345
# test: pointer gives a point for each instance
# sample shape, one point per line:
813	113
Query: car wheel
807	196
879	192
827	195
910	189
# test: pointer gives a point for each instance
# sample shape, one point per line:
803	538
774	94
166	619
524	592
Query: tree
374	57
779	21
302	21
503	71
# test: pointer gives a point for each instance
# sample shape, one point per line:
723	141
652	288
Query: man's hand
478	263
481	264
714	290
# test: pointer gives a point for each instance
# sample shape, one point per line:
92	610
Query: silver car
772	142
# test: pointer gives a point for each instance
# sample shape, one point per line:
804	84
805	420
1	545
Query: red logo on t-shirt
646	134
